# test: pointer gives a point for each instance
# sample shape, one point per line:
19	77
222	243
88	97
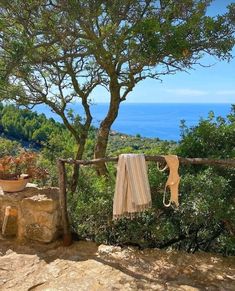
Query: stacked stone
32	214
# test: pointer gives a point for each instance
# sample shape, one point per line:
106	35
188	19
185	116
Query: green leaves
212	137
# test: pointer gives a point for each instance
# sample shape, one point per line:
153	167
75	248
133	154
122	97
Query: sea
153	120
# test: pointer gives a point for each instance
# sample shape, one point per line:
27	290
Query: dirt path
84	266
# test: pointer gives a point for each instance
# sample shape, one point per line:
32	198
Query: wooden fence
67	239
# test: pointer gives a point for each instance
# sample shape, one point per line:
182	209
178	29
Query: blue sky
215	84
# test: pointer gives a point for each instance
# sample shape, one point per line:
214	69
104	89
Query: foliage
9	147
213	137
205	218
28	126
35	131
205	209
120	142
199	224
74	46
12	168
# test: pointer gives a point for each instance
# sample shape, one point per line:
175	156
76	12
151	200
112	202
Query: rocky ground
85	266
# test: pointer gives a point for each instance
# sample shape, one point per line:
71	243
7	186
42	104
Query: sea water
155	120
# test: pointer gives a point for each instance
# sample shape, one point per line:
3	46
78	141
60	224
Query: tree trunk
101	146
79	154
104	129
82	143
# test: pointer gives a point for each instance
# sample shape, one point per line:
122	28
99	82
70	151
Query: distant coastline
152	120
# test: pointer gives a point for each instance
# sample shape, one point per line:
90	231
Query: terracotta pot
13	185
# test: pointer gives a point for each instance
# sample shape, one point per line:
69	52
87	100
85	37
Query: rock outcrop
85	266
35	214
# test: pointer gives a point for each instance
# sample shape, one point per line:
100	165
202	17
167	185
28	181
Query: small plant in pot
15	172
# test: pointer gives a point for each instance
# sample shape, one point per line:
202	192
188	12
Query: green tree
135	40
43	63
9	148
55	50
213	137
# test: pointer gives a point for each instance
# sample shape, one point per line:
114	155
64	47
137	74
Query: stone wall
35	214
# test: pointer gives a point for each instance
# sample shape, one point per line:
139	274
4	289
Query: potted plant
15	172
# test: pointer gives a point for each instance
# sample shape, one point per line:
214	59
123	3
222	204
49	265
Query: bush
198	224
206	204
213	137
205	219
9	147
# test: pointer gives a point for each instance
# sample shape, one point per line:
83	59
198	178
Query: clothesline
228	163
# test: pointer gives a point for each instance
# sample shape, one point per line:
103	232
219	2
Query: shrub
9	147
213	137
198	224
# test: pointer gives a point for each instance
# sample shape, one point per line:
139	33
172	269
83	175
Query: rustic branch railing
184	161
67	239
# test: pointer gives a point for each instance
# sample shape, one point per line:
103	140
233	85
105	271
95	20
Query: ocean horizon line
152	120
188	103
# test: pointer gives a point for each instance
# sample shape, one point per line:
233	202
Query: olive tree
41	64
116	44
135	40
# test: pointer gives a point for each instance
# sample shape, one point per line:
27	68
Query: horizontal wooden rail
184	161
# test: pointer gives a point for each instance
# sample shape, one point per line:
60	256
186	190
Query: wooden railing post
67	238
